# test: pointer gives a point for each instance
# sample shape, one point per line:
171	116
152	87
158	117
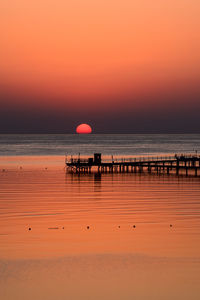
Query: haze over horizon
120	66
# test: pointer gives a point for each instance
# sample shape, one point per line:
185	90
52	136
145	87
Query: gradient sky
122	66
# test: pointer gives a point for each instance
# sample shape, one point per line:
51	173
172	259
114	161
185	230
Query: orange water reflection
43	198
129	243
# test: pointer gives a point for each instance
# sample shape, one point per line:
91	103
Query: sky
123	66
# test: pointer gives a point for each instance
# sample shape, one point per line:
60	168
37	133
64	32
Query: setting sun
83	128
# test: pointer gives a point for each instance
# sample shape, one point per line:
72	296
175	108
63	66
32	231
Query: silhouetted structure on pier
182	163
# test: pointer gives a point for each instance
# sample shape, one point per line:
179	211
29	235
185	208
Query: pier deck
178	164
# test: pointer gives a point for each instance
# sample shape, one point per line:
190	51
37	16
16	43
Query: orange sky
86	52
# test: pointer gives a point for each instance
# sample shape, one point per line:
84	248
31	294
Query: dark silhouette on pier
178	163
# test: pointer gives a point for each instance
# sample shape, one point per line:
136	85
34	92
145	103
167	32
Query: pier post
140	169
149	168
177	170
177	167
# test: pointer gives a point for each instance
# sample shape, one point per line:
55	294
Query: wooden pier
178	164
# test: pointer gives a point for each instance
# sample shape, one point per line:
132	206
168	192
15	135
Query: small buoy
88	227
3	170
118	226
20	168
29	228
46	168
134	226
63	228
170	225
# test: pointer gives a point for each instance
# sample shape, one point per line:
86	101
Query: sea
107	144
96	236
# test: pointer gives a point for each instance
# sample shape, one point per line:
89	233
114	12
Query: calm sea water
118	144
109	236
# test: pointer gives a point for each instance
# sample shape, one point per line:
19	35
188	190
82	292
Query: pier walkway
178	164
